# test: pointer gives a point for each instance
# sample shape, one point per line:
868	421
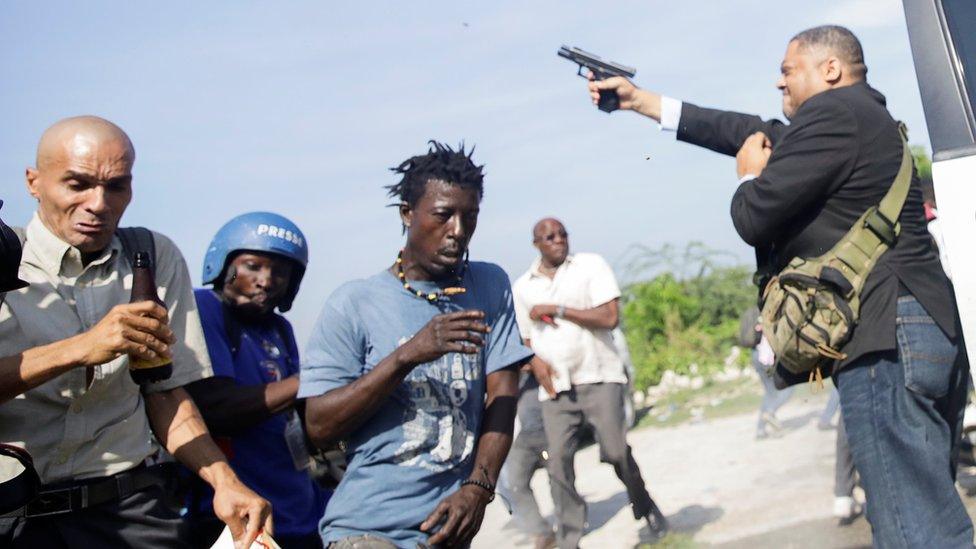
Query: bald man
567	306
65	392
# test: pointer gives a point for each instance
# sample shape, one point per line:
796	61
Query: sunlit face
257	282
83	190
440	226
801	77
552	240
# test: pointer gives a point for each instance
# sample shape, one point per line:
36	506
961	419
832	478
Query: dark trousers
903	414
140	520
602	406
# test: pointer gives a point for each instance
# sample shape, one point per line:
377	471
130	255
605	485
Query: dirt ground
717	484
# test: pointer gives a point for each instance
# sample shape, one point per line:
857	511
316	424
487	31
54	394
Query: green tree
923	164
685	314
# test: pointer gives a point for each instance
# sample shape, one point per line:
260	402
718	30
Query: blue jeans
903	414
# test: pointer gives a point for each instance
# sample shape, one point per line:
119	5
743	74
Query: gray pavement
717	484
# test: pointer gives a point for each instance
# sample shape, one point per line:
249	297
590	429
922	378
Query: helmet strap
231	275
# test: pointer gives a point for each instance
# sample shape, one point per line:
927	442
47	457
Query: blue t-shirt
260	455
418	447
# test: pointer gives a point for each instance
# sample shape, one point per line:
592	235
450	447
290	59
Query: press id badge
295	439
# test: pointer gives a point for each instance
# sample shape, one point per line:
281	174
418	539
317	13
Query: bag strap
232	328
21	234
137	239
894	201
891	205
133	239
234	331
876	230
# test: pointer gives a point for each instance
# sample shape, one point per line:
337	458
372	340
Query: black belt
16	492
55	500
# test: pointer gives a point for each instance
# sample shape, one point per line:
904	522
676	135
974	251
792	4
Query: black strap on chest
234	330
137	239
133	239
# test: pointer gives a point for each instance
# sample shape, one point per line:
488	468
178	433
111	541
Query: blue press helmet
258	232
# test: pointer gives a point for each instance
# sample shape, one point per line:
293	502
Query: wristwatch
561	311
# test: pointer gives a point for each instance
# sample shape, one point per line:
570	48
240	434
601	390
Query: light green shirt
76	431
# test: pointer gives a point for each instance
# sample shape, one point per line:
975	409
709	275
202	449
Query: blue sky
300	108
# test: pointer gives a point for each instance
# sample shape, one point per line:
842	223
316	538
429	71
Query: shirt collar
57	256
535	270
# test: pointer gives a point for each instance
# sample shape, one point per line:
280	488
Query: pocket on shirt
926	354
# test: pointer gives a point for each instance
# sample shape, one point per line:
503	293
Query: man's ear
406	215
31	176
832	70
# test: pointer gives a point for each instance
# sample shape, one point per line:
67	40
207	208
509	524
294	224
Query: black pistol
602	70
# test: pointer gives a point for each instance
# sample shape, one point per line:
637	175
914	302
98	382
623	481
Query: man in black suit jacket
802	186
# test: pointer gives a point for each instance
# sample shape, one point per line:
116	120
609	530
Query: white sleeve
765	352
521	311
603	285
670	113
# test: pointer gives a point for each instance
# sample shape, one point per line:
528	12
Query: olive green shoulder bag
810	308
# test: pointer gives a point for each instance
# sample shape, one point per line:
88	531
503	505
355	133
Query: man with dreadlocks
416	369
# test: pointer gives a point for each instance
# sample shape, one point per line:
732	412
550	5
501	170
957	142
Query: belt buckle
57	502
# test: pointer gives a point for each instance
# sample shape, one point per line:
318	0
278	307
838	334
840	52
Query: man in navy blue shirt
255	263
416	368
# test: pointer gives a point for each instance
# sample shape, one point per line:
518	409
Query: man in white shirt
567	307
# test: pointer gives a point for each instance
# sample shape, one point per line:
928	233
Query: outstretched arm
721	131
460	514
724	131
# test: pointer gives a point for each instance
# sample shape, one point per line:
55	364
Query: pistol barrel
595	63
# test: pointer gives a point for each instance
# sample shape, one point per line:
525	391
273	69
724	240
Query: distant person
416	368
72	403
255	264
764	363
528	455
934	224
846	507
567	307
801	188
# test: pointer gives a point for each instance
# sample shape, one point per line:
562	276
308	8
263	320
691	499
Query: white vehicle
943	39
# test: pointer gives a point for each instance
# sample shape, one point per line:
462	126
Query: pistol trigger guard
579	71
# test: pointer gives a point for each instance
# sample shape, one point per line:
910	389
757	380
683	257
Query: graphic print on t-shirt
436	430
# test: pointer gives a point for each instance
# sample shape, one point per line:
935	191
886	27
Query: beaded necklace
432	296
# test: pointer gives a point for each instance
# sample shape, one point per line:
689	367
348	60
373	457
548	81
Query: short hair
837	40
440	163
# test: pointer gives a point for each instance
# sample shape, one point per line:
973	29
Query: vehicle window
961	20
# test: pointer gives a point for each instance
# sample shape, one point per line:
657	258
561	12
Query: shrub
676	319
